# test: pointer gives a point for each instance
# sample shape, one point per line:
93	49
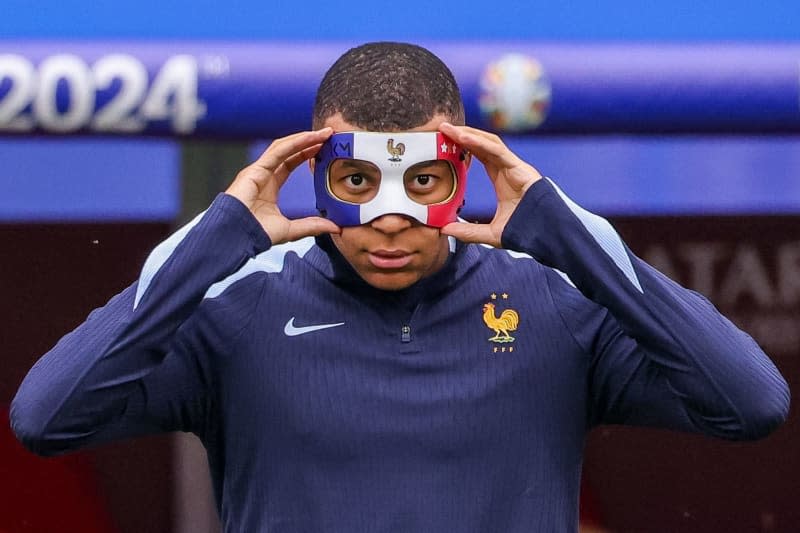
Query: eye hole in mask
356	181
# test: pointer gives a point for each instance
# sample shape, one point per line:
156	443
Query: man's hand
257	186
510	175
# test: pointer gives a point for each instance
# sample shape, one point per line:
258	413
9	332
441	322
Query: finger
285	147
487	147
480	133
472	233
282	172
264	155
293	161
310	226
462	130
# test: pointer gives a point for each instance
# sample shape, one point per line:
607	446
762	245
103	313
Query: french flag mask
359	176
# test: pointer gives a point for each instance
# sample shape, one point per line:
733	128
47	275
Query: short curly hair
387	86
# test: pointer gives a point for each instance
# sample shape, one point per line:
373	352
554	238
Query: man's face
391	252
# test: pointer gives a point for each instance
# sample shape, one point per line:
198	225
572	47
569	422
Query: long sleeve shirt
459	404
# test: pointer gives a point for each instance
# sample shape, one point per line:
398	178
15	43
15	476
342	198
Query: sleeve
662	355
133	366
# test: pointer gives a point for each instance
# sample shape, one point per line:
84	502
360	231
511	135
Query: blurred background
677	120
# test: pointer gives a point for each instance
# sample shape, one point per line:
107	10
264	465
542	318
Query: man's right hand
257	186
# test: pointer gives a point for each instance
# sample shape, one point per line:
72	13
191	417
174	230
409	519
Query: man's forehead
339	123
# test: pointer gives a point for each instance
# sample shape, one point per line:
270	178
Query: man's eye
424	181
355	180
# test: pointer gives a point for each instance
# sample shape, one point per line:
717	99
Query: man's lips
389	259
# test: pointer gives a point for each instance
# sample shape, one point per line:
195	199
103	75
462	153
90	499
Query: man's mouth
389	259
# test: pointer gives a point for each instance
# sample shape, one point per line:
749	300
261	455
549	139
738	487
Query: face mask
359	176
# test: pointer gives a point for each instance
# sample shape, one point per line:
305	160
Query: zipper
405	328
405	333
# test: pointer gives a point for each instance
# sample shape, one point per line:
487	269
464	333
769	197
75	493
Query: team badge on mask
359	176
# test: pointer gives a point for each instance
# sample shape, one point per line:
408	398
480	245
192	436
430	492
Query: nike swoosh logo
291	330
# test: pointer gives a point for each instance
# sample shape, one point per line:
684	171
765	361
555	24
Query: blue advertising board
252	90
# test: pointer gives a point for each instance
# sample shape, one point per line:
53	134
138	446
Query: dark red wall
51	276
658	481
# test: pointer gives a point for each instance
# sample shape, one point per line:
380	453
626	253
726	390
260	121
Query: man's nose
391	223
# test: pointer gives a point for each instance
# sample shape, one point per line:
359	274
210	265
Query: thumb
474	233
310	226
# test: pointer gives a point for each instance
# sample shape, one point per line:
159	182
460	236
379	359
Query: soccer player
385	367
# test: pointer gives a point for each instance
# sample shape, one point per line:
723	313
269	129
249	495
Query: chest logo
292	331
501	325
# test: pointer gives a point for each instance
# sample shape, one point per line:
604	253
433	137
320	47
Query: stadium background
718	212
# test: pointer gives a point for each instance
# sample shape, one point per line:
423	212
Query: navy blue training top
460	404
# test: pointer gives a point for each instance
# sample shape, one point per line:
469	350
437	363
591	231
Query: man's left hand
510	175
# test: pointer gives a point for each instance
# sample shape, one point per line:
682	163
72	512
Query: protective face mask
359	176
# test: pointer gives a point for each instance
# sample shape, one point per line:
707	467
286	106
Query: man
386	375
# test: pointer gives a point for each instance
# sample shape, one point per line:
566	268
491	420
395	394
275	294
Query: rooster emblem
395	151
508	321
